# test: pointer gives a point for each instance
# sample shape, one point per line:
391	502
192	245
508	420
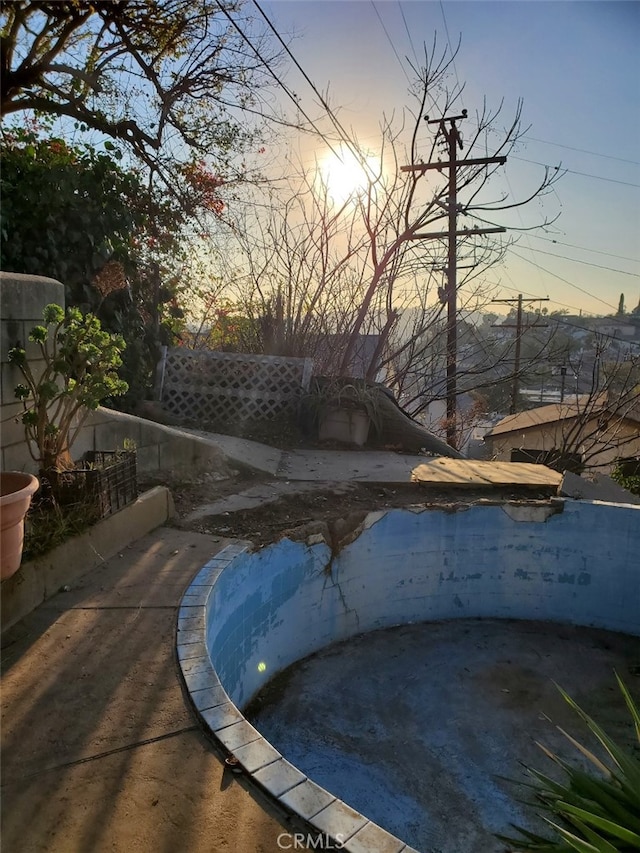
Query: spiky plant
589	812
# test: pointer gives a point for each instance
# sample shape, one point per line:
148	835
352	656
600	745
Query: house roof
553	413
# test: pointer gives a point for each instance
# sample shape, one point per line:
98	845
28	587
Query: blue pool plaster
247	616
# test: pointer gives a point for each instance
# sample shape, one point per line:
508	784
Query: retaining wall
161	449
40	579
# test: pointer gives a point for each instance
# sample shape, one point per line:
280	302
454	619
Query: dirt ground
302	504
327	502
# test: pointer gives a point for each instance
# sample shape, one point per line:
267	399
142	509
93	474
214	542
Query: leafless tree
593	427
398	206
310	269
604	423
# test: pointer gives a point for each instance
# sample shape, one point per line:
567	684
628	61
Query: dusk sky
576	67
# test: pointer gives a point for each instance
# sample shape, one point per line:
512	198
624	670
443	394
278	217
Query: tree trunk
400	431
57	459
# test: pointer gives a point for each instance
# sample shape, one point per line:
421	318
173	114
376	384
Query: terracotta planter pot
16	491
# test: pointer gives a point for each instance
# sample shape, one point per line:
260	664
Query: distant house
327	352
580	433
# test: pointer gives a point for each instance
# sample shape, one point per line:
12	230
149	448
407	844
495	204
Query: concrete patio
100	748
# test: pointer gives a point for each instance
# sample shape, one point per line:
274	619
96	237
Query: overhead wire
565	280
514	289
345	138
582	150
555	275
565	322
390	40
583	174
575	172
280	83
517	289
585	248
587	263
407	30
451	51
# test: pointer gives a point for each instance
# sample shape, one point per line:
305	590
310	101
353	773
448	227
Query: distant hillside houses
621	332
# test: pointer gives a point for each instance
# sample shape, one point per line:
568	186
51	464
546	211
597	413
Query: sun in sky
345	175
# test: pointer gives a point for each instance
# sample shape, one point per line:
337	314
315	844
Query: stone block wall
22	299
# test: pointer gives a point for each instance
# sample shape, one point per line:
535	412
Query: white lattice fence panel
219	386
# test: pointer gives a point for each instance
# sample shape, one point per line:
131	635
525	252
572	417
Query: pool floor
412	726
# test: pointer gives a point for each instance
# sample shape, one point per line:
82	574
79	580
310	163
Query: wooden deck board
467	472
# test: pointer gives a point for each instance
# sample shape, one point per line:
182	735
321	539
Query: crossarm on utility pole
464	232
472	161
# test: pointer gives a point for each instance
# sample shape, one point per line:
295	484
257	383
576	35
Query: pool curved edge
294	792
248	615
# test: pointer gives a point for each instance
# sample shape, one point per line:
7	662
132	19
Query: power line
520	327
408	31
566	281
453	140
515	289
453	61
564	322
574	172
389	39
265	63
553	301
555	275
596	332
343	135
586	249
582	150
588	263
519	213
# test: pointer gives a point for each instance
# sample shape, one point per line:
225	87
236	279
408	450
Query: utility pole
520	328
453	140
563	374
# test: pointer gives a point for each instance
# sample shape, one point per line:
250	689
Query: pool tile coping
260	761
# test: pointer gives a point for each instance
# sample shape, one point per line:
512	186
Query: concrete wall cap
24	296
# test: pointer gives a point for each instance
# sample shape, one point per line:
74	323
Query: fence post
160	371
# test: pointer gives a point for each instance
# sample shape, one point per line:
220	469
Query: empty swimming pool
248	616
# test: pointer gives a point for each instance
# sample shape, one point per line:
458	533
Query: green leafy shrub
80	370
75	213
623	475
